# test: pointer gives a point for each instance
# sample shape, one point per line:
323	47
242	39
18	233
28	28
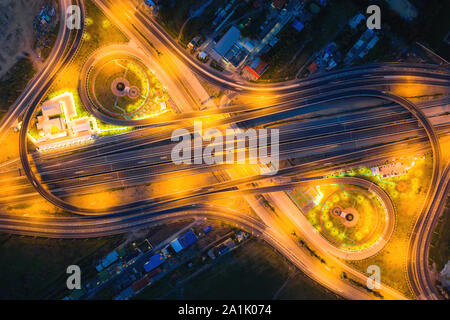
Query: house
194	42
108	260
298	25
312	67
211	253
241	236
154	273
154	262
81	126
51	109
278	4
77	294
150	4
184	241
365	43
235	55
140	284
314	8
68	104
228	49
202	55
404	8
226	246
329	57
227	41
50	123
257	67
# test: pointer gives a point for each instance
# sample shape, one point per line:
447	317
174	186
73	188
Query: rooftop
58	126
227	41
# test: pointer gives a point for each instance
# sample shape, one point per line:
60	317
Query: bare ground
16	31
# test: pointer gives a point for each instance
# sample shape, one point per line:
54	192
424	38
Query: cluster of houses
129	269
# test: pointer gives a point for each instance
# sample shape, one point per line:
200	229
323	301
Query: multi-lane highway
141	22
323	85
102	226
132	206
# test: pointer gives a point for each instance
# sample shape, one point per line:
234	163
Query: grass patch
370	216
13	83
99	32
408	193
35	268
430	26
173	14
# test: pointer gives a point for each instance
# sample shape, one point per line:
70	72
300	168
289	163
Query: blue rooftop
184	241
356	20
207	229
109	259
154	262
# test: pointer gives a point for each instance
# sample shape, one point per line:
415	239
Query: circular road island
121	86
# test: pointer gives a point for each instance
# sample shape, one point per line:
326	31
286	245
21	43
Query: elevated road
418	266
331	161
330	89
138	25
85	227
133	206
138	137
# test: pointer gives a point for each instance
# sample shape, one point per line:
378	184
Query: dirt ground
16	31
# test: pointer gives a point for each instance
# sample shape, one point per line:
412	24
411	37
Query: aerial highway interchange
321	146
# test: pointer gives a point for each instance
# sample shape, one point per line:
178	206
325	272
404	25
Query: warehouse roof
226	42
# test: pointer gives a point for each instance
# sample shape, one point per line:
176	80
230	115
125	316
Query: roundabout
120	86
349	217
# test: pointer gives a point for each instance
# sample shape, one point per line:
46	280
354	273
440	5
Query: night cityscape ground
198	151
